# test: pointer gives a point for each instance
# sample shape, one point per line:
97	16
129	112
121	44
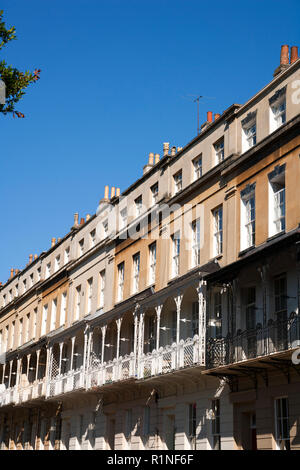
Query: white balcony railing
185	354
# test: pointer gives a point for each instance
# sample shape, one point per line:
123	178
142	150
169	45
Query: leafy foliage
16	82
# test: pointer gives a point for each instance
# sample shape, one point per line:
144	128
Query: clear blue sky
114	85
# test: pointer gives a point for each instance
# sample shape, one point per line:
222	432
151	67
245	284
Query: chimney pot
209	116
35	256
88	216
156	158
12	273
76	215
151	158
106	192
284	55
294	54
166	147
112	192
217	116
118	192
82	221
173	151
53	241
31	258
179	149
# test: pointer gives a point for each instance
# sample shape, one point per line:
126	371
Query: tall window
177	182
48	270
136	273
13	334
249	134
192	424
1	342
248	218
282	424
39	273
175	254
120	282
277	109
24	287
152	263
196	243
218	231
53	314
63	309
20	331
219	151
35	315
44	320
80	247
89	294
16	290
92	238
78	303
123	218
197	166
216	321
215	421
57	263
277	201
67	255
154	194
138	206
105	228
102	288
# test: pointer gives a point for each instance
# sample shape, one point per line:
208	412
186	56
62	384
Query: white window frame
136	273
102	276
154	193
120	293
277	110
152	263
195	243
44	320
277	201
177	178
53	314
219	151
78	303
249	138
282	442
89	295
175	254
248	215
138	206
218	231
63	309
197	167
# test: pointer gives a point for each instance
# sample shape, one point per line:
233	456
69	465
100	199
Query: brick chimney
294	54
209	116
284	60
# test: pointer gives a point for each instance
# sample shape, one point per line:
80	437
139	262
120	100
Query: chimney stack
166	147
112	192
156	158
151	159
284	60
76	215
53	241
106	192
173	151
11	273
217	116
284	55
294	54
31	256
118	192
209	116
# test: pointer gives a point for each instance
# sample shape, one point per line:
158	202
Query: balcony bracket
281	365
